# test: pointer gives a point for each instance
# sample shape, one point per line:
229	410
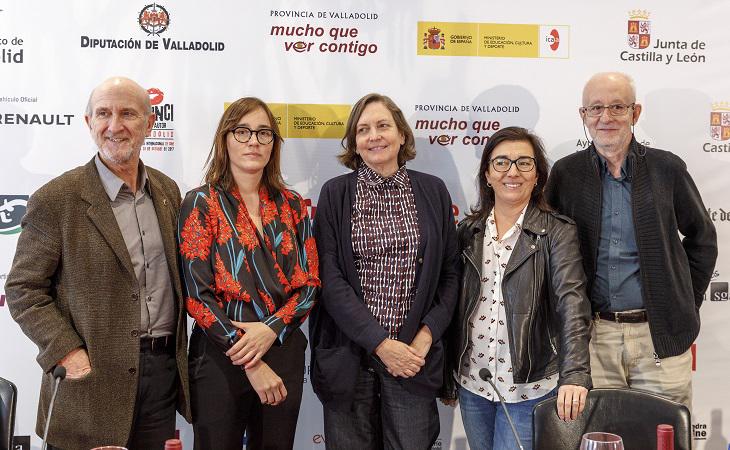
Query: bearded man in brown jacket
95	285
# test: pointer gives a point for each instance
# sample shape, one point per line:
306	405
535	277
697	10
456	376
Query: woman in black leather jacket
523	313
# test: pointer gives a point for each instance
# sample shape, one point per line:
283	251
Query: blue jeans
487	427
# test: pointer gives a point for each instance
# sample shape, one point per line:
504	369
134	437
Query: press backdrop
459	70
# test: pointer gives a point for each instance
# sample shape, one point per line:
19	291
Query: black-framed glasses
503	164
243	134
617	109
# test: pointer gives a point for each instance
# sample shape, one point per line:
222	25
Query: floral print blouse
233	272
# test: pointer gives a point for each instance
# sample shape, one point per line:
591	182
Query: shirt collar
516	228
372	178
604	165
112	183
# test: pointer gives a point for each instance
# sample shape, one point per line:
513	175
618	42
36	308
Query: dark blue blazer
342	329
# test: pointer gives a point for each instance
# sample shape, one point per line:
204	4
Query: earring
489	184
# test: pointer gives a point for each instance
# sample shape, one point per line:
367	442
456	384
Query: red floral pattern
286	313
299	278
268	301
195	239
286	216
268	208
225	285
310	246
228	265
198	311
246	234
287	243
218	224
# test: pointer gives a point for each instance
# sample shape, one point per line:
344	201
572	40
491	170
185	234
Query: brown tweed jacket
72	284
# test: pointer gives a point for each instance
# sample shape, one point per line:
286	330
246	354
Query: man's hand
571	401
76	363
267	384
400	359
253	345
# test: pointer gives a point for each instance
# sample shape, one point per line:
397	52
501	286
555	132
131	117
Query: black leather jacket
545	300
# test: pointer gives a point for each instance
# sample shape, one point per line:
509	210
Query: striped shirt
385	239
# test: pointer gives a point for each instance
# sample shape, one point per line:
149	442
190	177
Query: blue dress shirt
617	285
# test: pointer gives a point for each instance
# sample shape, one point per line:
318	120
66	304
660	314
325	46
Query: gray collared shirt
137	220
617	286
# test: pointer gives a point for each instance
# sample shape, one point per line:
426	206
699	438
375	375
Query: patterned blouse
233	272
385	243
488	344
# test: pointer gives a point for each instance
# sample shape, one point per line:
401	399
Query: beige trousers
622	356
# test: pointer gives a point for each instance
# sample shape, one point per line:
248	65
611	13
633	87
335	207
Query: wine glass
601	441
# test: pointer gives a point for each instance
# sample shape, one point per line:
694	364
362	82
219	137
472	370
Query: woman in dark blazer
388	253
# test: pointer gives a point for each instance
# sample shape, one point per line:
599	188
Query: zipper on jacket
547	319
550	339
468	314
529	330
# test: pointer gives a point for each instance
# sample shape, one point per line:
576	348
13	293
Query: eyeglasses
503	164
617	109
243	134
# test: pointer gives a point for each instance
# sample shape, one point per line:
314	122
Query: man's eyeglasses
503	164
617	109
243	134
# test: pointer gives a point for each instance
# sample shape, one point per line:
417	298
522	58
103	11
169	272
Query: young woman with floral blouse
250	271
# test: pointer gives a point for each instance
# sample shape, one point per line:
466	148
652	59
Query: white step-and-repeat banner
459	70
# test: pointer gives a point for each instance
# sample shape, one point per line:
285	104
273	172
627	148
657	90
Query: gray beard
117	158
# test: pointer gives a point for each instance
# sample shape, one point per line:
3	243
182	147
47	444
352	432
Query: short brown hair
486	193
218	166
349	158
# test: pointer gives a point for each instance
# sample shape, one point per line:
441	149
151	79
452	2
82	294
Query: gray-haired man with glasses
646	281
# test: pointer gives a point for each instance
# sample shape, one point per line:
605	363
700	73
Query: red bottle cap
173	444
664	437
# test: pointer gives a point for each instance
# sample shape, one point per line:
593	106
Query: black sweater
675	271
342	330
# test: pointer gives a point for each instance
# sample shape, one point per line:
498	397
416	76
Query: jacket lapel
526	246
346	230
419	198
101	215
474	251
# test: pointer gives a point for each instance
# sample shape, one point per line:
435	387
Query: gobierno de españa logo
434	39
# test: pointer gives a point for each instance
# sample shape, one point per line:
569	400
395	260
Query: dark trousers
224	404
154	415
154	411
383	415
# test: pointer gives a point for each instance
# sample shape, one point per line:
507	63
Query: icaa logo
639	29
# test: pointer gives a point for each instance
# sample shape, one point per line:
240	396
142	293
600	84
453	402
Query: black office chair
8	397
631	414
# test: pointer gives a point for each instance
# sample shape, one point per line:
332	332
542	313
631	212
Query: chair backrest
631	414
8	397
